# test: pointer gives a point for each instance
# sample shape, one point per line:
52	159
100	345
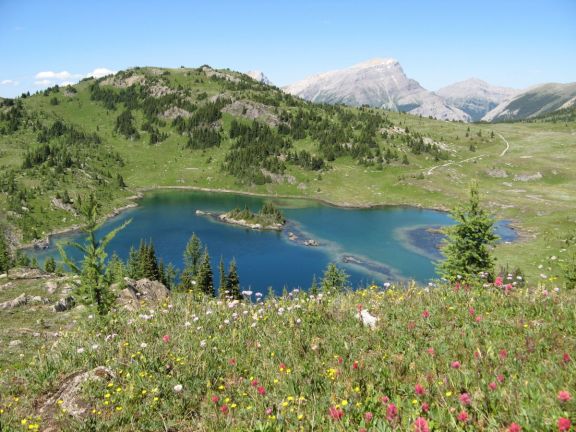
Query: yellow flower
448	393
344	402
414	401
233	405
284	404
357	389
118	408
23	422
290	398
300	416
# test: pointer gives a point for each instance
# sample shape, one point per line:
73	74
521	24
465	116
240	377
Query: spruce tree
314	287
334	278
94	288
468	243
5	260
233	282
222	286
133	269
205	278
50	265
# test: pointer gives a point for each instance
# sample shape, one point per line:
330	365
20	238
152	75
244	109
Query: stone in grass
64	304
69	394
141	292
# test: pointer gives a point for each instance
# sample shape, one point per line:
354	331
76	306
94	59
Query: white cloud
66	83
53	75
44	82
100	72
9	82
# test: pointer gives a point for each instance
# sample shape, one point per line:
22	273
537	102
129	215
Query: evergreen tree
5	260
116	268
222	286
233	282
467	245
50	265
149	262
192	258
133	269
95	279
205	278
334	278
314	287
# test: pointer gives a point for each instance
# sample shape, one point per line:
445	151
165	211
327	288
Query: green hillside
150	128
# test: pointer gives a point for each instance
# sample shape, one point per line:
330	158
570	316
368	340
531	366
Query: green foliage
334	279
5	258
233	282
467	247
94	288
125	125
50	265
143	263
192	261
205	278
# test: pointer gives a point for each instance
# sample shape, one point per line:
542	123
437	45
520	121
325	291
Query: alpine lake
373	245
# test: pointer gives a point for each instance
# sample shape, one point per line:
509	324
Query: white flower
247	293
208	312
202	343
187	324
80	350
143	345
195	319
557	289
226	321
298	321
258	294
178	388
90	316
94	347
253	325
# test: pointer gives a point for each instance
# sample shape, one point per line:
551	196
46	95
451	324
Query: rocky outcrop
64	304
253	111
21	300
59	204
70	393
27	273
140	293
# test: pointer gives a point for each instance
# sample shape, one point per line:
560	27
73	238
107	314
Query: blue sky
505	42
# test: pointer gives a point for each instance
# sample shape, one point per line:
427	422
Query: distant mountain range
382	83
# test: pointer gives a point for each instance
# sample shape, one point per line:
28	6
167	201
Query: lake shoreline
132	202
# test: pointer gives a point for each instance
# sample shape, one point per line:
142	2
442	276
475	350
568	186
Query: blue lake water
377	244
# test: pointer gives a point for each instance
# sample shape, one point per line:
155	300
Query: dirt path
507	145
429	172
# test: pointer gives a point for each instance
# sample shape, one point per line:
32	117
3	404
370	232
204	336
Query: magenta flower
463	417
564	396
166	338
455	365
419	390
514	427
421	425
465	399
391	412
564	424
335	413
368	416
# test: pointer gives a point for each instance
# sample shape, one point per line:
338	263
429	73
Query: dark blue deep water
377	244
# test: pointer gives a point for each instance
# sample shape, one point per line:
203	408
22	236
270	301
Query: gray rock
14	343
22	300
64	304
141	292
51	287
27	273
70	393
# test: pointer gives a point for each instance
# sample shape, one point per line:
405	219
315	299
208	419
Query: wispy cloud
46	78
100	72
9	82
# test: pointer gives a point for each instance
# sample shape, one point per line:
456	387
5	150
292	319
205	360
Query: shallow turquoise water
378	244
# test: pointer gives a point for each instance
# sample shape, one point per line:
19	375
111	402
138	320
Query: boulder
51	287
70	393
141	292
22	300
64	304
14	343
27	273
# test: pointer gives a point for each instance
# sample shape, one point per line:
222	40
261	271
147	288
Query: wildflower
421	425
465	399
202	343
471	311
566	358
500	378
425	407
426	314
335	413
178	388
80	350
143	345
463	416
455	365
232	362
564	396
368	416
261	390
419	390
431	351
514	427
391	412
215	399
340	360
166	338
492	385
224	409
498	282
355	364
269	411
254	383
564	424
384	399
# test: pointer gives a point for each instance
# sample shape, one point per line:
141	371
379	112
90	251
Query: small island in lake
268	218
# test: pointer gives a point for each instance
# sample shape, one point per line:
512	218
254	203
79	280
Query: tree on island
468	243
95	280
